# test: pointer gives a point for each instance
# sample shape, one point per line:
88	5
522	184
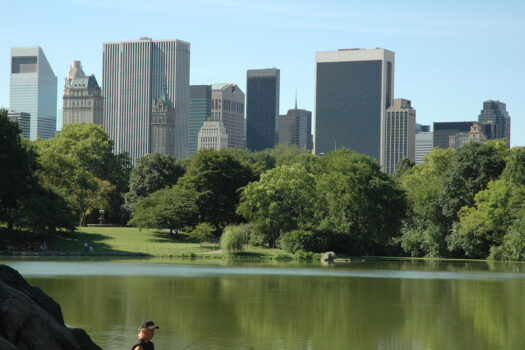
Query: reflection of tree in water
296	312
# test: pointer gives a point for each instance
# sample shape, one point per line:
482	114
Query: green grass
129	240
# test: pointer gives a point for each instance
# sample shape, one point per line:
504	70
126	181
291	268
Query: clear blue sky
450	55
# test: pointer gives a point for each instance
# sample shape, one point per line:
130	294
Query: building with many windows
424	145
400	134
33	90
163	125
262	108
295	128
443	131
228	106
213	135
354	87
200	111
24	121
134	73
495	112
475	134
82	100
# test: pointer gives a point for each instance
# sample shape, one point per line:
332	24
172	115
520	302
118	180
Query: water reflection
413	305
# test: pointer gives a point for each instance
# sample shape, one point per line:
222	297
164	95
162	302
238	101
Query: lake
220	305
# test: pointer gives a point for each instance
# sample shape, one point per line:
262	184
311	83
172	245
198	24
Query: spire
296	98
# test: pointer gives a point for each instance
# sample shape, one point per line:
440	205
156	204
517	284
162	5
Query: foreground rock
328	257
29	319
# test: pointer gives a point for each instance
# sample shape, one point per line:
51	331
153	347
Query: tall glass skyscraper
133	74
34	90
262	108
200	111
354	87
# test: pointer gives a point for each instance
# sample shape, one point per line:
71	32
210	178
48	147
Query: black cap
149	325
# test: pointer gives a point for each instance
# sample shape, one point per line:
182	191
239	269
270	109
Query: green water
367	305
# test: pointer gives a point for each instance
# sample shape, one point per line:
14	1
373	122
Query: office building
475	134
443	131
424	145
163	125
422	128
228	106
134	73
33	90
213	135
354	87
495	112
262	108
200	111
82	100
295	128
400	134
24	122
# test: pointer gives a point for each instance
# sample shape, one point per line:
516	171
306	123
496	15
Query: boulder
29	319
328	257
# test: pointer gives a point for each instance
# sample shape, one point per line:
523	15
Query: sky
450	55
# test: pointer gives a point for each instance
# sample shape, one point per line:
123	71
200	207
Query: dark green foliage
305	241
404	165
217	177
358	203
471	168
171	208
24	203
152	172
258	162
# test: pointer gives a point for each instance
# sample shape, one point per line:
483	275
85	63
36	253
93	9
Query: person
85	247
146	333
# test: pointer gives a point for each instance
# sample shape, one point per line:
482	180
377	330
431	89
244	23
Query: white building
400	134
213	135
33	90
424	145
134	73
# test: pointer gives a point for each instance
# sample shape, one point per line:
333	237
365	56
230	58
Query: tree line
457	203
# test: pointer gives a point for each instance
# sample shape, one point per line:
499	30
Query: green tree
234	238
203	232
358	203
280	201
217	177
17	165
152	172
171	208
404	165
258	162
79	163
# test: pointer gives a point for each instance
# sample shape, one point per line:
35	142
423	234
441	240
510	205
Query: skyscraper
83	101
262	108
354	87
213	135
495	112
133	74
424	142
200	111
228	106
400	134
24	121
34	90
295	128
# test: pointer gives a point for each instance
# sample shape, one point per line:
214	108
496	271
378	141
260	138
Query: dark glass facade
262	108
348	106
495	112
442	132
200	111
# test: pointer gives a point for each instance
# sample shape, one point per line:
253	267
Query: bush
305	241
234	237
513	246
203	231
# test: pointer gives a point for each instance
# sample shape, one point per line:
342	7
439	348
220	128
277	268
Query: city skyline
442	50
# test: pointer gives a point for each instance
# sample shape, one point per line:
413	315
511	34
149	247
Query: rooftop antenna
296	97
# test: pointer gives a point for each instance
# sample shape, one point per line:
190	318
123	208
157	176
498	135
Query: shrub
306	241
234	237
203	231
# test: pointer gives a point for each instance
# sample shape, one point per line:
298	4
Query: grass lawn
154	242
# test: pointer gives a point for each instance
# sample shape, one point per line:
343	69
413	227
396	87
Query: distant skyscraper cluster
146	105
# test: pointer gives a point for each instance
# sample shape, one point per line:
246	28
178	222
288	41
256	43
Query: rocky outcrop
328	257
29	319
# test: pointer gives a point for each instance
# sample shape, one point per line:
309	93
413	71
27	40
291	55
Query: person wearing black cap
146	333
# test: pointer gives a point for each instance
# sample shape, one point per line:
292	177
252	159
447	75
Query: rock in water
328	256
29	319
